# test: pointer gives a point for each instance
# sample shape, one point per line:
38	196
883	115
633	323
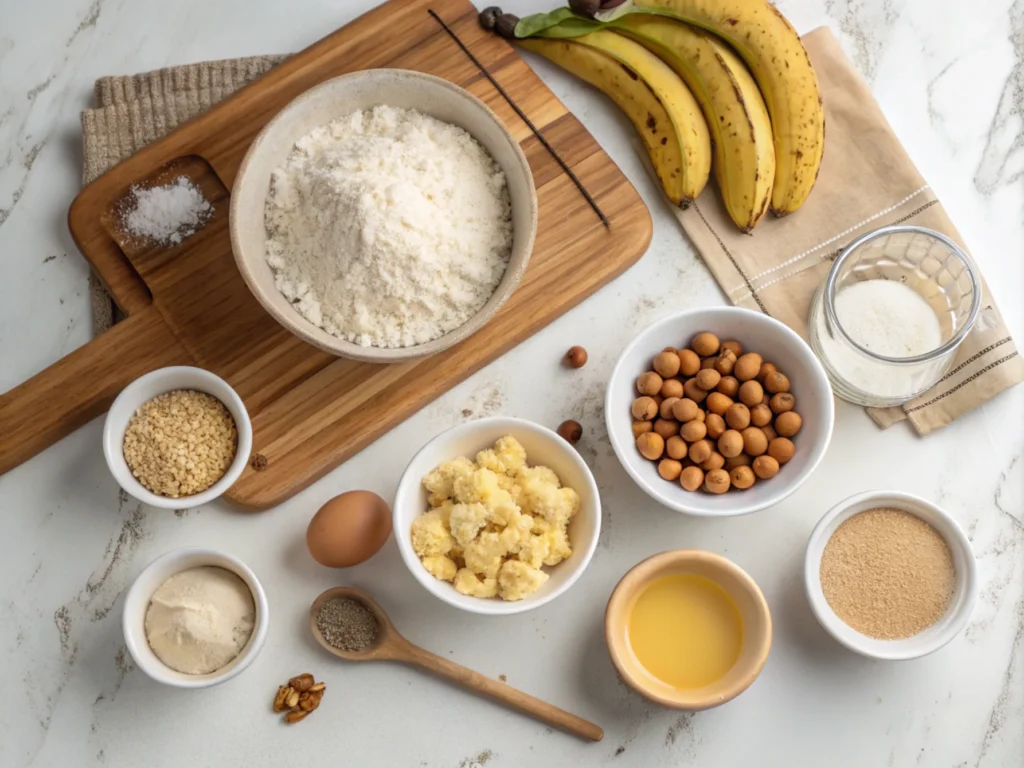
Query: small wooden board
188	305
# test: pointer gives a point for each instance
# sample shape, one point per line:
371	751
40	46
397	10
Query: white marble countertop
949	77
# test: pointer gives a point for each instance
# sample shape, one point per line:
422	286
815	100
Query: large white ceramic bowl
543	447
157	383
136	603
759	333
965	593
336	98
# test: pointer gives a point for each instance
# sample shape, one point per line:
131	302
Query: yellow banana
780	64
744	156
662	110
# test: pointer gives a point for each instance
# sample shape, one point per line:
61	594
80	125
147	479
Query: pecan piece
281	698
302	683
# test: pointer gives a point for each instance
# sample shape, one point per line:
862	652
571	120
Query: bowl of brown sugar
890	575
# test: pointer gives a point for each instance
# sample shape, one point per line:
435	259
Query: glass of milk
888	319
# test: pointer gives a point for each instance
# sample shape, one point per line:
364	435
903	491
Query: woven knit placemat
135	110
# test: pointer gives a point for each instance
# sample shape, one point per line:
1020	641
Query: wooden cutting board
188	305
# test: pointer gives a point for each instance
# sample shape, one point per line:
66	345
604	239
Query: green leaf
576	26
532	26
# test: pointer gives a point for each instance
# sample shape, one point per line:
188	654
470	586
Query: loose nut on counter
576	357
300	696
570	431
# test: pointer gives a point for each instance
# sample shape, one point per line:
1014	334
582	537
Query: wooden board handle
81	386
503	693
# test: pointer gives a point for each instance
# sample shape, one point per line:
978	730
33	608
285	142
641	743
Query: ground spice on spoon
347	624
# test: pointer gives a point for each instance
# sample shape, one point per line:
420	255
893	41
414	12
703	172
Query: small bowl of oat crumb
177	437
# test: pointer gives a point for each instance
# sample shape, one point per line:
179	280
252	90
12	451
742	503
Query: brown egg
349	529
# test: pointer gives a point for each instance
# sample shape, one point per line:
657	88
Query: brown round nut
750	393
708	379
737	416
730	443
684	410
718	403
765	467
651	445
747	366
766	368
693	391
671	388
754	441
714	461
692	431
665	409
705	344
701	415
788	424
670	349
733	346
571	431
728	386
717	481
766	399
782	402
742	477
700	451
666	364
707	363
649	383
760	415
781	449
676	447
691	478
670	469
666	427
776	382
726	360
769	432
689	362
576	357
642	427
644	408
716	425
738	461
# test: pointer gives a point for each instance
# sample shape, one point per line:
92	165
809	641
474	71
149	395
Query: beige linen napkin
134	110
866	181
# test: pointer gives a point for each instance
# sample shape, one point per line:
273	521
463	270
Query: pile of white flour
388	227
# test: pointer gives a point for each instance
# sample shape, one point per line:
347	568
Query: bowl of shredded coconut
384	215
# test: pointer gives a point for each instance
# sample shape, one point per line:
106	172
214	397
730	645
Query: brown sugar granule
180	443
347	624
887	573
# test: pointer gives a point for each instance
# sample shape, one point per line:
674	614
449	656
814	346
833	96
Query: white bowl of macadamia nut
719	412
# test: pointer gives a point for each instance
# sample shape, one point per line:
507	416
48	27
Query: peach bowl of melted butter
688	629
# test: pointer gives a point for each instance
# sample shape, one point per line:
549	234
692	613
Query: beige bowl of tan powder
890	575
334	99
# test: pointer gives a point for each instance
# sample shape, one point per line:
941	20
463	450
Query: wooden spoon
391	646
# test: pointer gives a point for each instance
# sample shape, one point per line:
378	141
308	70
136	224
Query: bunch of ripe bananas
708	84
